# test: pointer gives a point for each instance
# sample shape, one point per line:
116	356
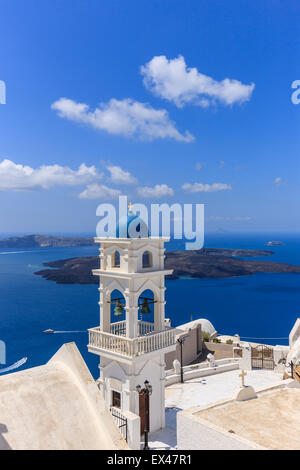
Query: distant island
31	241
274	243
205	263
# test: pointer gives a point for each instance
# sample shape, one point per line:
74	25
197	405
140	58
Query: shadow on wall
3	442
191	349
219	350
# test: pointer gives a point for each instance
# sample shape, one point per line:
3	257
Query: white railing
119	328
131	347
155	341
145	327
107	341
202	370
204	365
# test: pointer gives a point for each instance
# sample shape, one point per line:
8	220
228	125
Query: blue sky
108	97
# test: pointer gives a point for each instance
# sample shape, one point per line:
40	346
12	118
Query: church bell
118	309
145	307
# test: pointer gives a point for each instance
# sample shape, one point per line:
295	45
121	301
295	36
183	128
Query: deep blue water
262	305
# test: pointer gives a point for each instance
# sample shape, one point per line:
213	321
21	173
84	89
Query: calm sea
262	305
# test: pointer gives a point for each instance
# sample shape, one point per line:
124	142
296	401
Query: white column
104	308
162	390
102	384
103	257
131	312
159	307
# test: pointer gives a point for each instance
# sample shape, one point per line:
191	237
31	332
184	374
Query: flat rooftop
272	420
203	391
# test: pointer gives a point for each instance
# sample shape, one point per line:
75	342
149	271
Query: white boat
49	331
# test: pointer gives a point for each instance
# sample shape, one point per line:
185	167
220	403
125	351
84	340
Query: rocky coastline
206	263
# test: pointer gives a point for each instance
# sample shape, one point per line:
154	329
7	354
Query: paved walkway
201	392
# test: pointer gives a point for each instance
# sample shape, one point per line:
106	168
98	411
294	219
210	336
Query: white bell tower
132	350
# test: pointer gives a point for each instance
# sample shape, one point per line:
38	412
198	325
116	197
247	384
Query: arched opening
116	259
117	313
147	259
146	312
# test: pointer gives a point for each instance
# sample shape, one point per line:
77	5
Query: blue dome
132	226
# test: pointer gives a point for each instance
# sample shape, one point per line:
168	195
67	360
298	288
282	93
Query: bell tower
132	350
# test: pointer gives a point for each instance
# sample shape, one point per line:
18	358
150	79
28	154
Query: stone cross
242	375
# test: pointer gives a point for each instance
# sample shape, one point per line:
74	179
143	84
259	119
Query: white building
56	406
132	350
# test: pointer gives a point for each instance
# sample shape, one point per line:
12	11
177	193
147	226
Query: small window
116	260
147	259
116	399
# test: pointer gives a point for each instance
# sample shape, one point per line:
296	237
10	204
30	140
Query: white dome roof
206	325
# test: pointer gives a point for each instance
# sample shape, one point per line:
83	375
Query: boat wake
65	332
14	366
14	252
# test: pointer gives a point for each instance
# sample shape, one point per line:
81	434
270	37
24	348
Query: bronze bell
145	307
118	309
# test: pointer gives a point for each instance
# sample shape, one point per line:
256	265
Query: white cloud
16	177
242	219
159	190
198	166
126	117
205	188
279	181
119	176
221	164
97	191
174	81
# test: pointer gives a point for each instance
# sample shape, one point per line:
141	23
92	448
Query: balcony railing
119	328
128	347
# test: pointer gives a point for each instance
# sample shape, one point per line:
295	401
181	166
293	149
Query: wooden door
143	406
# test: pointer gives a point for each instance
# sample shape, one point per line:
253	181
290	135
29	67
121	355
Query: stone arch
109	250
116	259
112	369
114	285
147	294
149	367
147	259
157	307
149	285
114	317
154	255
110	254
